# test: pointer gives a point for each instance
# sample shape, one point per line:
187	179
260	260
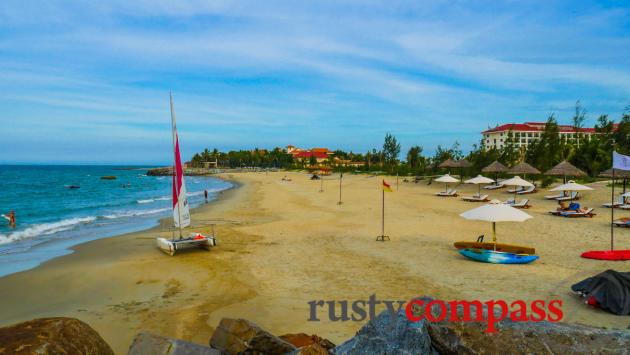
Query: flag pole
382	237
612	212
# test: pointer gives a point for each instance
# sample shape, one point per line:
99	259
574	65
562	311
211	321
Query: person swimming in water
11	218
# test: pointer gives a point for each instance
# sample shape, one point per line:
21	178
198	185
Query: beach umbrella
571	186
463	163
494	212
618	173
446	179
448	163
495	168
478	180
523	168
517	181
565	169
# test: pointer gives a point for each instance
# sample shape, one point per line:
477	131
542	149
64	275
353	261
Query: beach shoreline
282	244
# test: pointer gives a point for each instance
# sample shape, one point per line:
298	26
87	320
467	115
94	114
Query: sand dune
284	243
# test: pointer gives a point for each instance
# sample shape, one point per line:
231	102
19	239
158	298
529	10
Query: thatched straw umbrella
461	164
565	169
523	168
448	163
495	168
623	174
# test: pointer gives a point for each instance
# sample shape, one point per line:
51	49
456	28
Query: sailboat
181	211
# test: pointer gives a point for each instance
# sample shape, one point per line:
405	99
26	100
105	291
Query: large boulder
300	340
240	336
52	336
150	344
387	334
523	337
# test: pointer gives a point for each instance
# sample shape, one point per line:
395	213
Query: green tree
413	156
391	149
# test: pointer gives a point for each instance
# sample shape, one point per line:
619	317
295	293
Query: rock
240	336
150	344
300	340
52	336
311	349
524	337
388	335
108	177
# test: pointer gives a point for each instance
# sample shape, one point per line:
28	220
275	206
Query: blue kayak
497	257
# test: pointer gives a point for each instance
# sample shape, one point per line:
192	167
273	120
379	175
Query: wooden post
321	188
340	178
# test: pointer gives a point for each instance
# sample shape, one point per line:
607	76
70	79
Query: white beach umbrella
446	179
517	181
571	186
495	211
478	180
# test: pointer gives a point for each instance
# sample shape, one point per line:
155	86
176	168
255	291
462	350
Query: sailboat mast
175	182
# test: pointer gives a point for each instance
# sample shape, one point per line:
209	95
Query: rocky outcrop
524	337
240	336
300	340
151	344
388	335
52	336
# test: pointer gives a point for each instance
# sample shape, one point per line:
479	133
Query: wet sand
284	243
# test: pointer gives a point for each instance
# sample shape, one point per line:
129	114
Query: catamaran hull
170	247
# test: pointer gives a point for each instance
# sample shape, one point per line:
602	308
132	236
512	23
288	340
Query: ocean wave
44	229
150	200
135	213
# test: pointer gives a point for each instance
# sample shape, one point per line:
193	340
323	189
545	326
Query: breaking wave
44	229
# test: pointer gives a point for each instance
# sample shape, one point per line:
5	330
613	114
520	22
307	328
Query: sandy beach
284	243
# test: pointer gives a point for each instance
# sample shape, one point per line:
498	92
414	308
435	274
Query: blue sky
88	82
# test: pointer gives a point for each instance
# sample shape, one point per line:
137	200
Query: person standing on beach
205	194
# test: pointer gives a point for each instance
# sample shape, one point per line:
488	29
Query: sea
57	207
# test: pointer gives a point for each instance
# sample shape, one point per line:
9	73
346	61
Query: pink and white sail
181	212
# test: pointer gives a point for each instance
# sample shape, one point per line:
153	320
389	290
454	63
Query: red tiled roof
535	127
308	154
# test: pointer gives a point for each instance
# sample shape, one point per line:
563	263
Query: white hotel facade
525	133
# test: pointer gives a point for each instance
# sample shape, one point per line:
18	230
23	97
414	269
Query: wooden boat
497	257
607	254
181	212
508	248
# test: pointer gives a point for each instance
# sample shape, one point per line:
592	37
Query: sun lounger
516	189
529	190
554	197
622	222
494	187
624	207
574	196
521	204
573	214
476	198
449	193
620	202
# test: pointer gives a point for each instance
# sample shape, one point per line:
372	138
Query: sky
88	82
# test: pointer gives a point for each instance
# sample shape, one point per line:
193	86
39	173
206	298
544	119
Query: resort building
320	154
525	133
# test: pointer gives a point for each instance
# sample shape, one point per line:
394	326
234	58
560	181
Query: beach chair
449	193
521	204
529	190
554	197
574	196
622	222
620	202
476	198
574	214
494	187
509	201
515	190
